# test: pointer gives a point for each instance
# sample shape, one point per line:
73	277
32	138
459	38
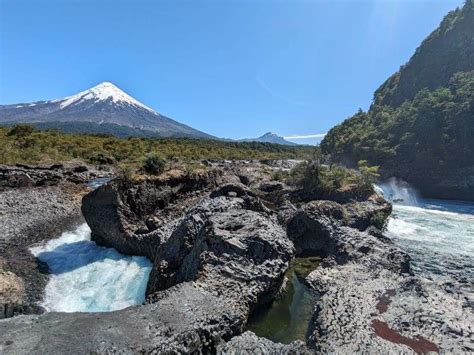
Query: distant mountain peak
269	137
270	134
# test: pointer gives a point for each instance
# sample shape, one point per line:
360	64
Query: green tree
370	174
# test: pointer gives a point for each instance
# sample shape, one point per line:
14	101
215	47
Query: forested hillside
420	126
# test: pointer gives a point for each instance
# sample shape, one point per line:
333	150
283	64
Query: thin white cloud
317	135
277	95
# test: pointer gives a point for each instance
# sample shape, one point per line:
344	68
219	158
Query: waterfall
398	191
88	278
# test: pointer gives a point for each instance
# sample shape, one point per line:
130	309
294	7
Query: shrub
154	164
380	220
317	181
125	173
21	131
280	175
27	145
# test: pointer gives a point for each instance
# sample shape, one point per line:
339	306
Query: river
439	236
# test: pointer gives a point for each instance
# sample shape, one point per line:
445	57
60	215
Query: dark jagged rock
374	211
220	250
127	216
237	190
351	192
226	247
271	186
314	227
359	268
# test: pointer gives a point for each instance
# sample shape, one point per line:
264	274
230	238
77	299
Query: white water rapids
88	278
438	234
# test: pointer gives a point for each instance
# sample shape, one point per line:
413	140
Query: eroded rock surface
227	247
135	218
248	344
369	298
24	175
185	319
12	290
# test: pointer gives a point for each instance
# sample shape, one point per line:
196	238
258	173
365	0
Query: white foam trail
421	210
89	278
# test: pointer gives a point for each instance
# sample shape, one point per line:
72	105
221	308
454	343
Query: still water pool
286	319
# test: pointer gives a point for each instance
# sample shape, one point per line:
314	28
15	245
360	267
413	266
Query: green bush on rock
154	164
330	182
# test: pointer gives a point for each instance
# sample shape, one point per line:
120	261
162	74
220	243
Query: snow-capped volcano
104	104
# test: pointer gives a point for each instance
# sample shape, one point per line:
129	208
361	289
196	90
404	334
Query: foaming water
398	191
439	235
88	278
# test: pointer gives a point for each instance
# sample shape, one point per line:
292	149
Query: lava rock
271	186
221	261
118	212
224	246
186	319
248	343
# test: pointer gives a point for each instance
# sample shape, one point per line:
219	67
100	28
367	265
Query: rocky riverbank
221	239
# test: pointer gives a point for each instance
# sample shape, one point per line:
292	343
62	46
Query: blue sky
230	68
